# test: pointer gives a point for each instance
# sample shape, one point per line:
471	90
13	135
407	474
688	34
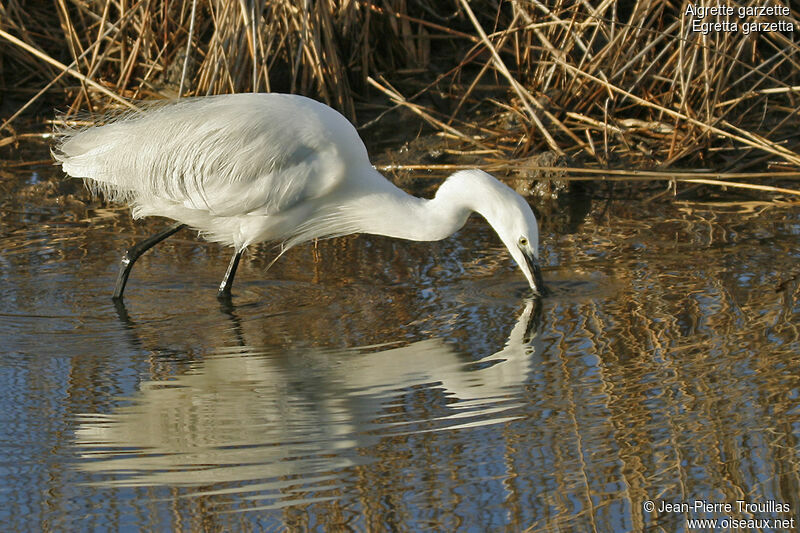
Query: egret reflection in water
243	414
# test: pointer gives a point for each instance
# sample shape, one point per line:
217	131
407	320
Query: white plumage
249	168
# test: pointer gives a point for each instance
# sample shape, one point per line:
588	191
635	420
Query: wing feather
227	155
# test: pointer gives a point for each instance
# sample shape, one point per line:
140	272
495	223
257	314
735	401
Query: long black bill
536	270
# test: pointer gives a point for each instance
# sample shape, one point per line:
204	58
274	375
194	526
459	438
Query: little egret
249	168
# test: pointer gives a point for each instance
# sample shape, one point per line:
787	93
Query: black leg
133	253
227	282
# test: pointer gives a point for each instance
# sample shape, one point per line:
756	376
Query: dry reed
606	84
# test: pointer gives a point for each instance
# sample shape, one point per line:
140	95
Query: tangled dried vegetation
600	85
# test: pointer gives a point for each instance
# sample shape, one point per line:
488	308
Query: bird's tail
87	153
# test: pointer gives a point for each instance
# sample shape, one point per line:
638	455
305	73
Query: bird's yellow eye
523	241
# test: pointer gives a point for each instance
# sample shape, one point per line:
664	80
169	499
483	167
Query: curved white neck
389	211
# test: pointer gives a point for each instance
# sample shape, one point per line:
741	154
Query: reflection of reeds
671	374
601	84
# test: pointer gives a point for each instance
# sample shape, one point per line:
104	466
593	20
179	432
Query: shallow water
373	384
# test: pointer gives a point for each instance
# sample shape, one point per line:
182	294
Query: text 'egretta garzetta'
249	168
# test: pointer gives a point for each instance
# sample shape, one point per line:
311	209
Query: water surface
374	384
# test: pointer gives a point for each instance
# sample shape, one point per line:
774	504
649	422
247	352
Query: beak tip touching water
538	286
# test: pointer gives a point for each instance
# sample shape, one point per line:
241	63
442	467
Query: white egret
249	168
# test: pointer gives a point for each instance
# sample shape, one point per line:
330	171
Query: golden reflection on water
374	384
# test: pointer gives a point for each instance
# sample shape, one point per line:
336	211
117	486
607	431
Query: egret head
510	216
519	231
